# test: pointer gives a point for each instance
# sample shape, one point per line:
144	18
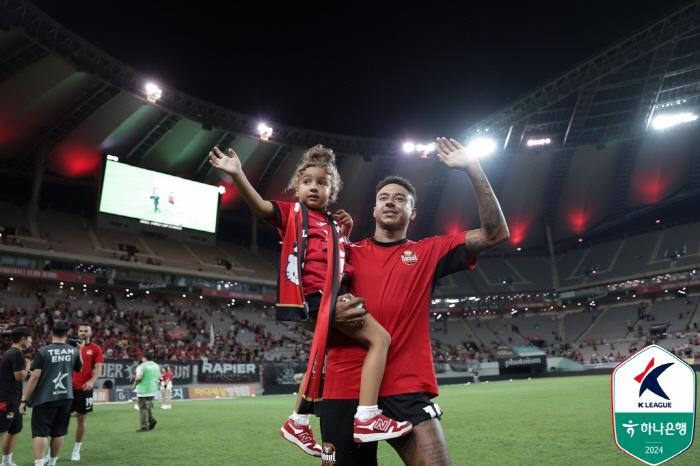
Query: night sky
378	69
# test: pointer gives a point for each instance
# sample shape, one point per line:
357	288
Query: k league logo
653	401
650	382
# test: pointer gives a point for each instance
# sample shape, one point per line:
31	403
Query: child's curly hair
319	156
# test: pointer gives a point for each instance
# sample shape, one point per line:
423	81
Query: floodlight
153	92
426	148
222	190
265	131
481	147
667	121
409	147
538	142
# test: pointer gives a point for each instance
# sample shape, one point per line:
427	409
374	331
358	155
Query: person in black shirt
49	392
13	371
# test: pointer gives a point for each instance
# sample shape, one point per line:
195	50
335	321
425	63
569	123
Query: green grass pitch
544	422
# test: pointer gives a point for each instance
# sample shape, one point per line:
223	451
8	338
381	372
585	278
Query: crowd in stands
171	332
451	352
126	330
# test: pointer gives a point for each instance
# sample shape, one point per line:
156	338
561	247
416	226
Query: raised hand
230	165
344	221
453	155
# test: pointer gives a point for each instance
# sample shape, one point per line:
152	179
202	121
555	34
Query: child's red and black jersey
396	280
313	276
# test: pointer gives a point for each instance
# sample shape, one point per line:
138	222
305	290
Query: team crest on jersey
409	257
11	415
88	351
328	454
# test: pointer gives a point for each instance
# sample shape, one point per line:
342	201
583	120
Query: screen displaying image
158	199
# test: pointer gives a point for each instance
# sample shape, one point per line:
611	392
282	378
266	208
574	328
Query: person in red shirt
316	183
395	277
83	383
166	386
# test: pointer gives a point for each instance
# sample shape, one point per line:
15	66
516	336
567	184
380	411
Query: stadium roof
604	166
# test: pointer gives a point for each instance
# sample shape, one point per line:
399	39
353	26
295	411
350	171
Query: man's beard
388	226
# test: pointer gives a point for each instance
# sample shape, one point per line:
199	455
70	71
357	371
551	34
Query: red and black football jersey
313	276
396	280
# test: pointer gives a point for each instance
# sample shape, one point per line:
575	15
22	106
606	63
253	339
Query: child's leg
300	393
377	340
298	430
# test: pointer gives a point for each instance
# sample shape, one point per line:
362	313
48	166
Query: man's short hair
19	332
392	179
60	329
149	355
85	324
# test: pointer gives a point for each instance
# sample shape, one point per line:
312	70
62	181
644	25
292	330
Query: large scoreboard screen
158	199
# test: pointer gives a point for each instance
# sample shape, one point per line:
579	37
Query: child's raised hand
230	165
343	218
344	221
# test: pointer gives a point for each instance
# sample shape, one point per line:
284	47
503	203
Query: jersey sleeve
99	357
38	361
281	209
452	254
17	362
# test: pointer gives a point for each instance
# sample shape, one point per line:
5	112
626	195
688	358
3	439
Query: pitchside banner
653	404
522	364
128	394
227	372
227	391
282	372
122	371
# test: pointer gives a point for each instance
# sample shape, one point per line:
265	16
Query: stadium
110	213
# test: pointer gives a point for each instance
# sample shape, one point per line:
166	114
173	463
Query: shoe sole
289	437
366	438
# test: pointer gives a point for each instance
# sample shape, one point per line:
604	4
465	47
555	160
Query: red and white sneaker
378	428
301	436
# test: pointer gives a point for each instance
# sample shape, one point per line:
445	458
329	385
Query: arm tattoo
492	220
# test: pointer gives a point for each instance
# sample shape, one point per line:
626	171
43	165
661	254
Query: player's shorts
337	424
50	421
10	418
82	401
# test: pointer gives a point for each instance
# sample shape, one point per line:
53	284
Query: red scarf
291	300
291	294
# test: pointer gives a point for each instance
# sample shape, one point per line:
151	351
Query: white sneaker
75	456
136	407
47	458
163	407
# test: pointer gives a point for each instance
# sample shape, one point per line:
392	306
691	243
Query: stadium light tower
481	147
669	120
265	131
539	142
423	149
153	92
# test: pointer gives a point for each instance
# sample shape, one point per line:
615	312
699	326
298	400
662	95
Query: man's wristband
23	401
